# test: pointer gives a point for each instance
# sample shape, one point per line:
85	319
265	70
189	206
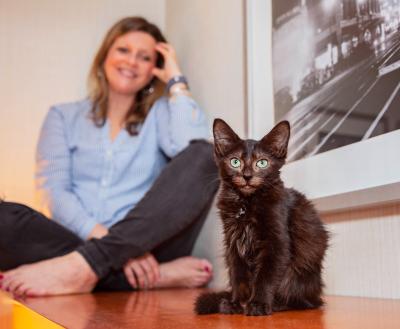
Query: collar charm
241	212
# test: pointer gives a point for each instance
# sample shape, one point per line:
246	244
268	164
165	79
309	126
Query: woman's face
129	62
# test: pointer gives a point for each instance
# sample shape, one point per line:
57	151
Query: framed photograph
332	69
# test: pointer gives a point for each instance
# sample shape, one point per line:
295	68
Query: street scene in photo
336	71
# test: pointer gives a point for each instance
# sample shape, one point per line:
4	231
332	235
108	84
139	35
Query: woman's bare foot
69	274
185	272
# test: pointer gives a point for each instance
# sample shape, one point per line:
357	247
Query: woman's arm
179	119
53	177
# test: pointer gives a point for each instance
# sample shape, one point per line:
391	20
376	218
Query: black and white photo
336	71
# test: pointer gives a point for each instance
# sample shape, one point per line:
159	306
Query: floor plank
174	309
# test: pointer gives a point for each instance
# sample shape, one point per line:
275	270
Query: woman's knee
10	213
6	210
203	169
8	220
202	151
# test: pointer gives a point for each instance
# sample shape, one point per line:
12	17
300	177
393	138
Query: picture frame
356	175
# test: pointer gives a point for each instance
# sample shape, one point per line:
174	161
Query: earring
149	90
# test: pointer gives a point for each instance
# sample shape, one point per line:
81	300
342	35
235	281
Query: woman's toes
30	292
14	286
197	263
206	265
21	290
185	272
6	283
202	280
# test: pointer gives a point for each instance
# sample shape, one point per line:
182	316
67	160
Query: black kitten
274	240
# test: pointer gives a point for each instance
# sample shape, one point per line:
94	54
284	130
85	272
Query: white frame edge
259	60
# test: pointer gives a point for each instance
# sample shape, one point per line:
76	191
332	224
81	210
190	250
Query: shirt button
104	182
109	154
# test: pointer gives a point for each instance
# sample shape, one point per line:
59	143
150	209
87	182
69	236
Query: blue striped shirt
85	178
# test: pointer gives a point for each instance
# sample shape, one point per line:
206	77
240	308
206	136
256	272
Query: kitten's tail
208	302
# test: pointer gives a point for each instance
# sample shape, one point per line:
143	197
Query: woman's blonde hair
98	85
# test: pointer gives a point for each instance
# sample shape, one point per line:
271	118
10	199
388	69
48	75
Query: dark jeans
166	222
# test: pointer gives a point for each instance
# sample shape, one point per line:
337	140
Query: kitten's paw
256	309
228	307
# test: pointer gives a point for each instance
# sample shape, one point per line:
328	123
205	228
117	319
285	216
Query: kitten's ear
224	137
277	139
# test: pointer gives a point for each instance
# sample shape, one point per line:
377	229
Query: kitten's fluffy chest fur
242	236
247	228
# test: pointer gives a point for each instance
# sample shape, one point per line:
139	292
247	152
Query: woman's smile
127	73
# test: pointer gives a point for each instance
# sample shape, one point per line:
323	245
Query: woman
129	218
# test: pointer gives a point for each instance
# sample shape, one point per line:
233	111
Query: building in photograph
318	46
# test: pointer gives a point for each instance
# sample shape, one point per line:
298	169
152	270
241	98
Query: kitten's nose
247	176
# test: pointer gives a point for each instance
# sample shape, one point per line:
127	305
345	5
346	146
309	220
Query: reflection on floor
174	309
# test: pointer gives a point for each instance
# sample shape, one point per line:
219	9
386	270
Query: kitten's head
248	165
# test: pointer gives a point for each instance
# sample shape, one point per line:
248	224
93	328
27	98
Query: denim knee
202	151
10	214
6	211
8	219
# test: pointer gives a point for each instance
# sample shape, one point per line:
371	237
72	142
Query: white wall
364	257
208	36
46	48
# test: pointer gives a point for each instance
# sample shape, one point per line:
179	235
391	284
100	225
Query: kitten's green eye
262	163
235	162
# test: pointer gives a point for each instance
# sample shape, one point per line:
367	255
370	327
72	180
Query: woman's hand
98	232
142	272
171	67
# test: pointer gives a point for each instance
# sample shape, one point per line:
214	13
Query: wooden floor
174	309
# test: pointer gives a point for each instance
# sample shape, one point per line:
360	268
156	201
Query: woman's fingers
164	44
165	48
142	272
152	268
130	275
148	272
154	264
159	73
162	49
171	67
